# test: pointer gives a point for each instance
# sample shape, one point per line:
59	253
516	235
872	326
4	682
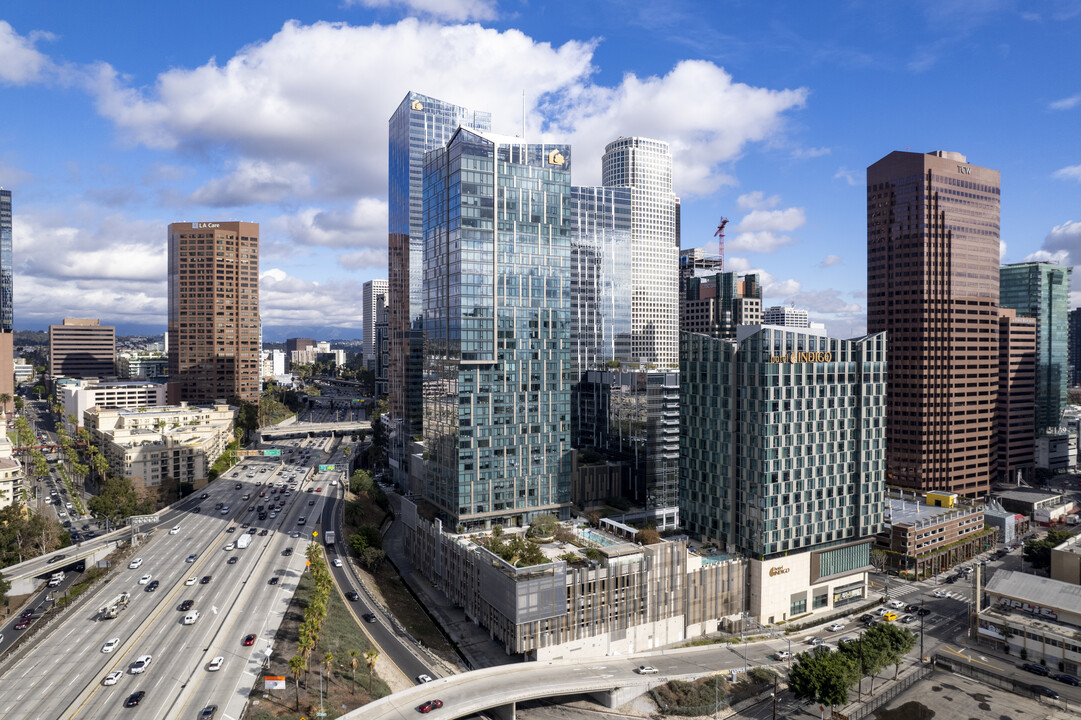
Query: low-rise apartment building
78	396
159	448
11	473
618	598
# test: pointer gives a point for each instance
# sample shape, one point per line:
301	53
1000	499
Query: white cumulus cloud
831	260
1066	103
21	63
757	200
253	182
1071	172
363	225
785	220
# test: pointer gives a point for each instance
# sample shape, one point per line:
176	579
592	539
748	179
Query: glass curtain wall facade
1075	346
7	314
419	124
645	166
497	360
782	439
601	275
1041	290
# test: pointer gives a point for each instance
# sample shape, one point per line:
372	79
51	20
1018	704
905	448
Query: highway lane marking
961	654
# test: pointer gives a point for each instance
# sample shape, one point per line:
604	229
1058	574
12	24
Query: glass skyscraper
420	123
1041	290
497	306
6	281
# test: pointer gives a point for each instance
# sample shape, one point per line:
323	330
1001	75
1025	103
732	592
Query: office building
419	124
382	352
213	312
921	539
784	316
7	326
497	324
374	295
782	439
932	287
1041	290
293	345
1074	346
82	348
600	276
78	396
142	366
716	303
1016	396
645	166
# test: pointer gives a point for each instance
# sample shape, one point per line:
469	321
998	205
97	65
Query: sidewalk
472	641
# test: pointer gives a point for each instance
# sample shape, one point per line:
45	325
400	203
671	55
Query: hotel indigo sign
802	357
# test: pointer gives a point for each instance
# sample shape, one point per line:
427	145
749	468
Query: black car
1068	679
208	712
152	586
1044	691
865	617
352	595
55	558
135	698
86	527
912	608
369	617
923	612
196	509
273	581
951	579
287	551
186	605
1036	669
232	560
204	496
205	580
311	502
231	529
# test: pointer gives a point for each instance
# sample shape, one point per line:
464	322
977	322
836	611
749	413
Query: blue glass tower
6	314
497	361
1041	290
420	124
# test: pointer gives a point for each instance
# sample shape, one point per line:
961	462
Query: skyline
280	117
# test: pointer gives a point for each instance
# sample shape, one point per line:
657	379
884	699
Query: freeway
62	674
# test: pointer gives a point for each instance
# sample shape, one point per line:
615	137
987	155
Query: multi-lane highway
62	674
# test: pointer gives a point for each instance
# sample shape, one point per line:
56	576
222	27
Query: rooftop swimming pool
596	537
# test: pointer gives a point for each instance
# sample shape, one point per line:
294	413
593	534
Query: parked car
782	655
1036	669
1044	691
1068	679
835	627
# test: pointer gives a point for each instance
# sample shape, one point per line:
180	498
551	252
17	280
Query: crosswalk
898	592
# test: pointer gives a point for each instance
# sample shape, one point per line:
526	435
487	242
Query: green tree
1038	552
648	536
871	654
900	642
371	558
5	586
370	657
5	400
360	482
822	676
328	665
354	661
296	669
19	404
116	500
543	525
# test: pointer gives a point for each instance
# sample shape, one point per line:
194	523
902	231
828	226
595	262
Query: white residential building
645	166
786	317
11	472
161	447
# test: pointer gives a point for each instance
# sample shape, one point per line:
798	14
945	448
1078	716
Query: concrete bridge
305	430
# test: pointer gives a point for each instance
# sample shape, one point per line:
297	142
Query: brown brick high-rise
932	286
213	311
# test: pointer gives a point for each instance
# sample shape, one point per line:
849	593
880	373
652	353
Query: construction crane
720	239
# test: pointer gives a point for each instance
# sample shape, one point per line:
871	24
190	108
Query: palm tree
296	669
328	664
354	661
5	399
370	657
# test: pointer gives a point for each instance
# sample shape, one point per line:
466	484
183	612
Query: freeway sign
247	453
326	468
142	519
276	452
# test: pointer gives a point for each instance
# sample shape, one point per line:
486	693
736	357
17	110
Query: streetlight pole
922	618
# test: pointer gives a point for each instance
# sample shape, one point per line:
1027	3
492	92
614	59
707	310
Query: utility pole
922	618
774	697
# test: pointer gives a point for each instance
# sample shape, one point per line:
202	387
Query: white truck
243	541
111	609
329	537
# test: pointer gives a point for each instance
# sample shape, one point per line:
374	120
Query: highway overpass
275	433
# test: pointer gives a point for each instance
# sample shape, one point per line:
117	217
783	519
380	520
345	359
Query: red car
319	489
22	624
249	640
427	707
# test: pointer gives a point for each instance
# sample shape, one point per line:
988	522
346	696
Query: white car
230	546
135	563
175	530
337	562
110	645
835	627
939	594
140	664
190	581
647	670
191	617
112	677
145	579
897	605
881	612
423	678
782	655
215	664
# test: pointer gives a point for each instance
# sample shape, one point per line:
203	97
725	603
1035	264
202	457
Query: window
821	601
799	607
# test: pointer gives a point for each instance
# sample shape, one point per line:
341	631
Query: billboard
274	682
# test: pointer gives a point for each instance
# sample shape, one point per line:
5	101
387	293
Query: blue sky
121	117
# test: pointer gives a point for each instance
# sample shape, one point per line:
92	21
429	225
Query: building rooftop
1035	590
1026	495
913	512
